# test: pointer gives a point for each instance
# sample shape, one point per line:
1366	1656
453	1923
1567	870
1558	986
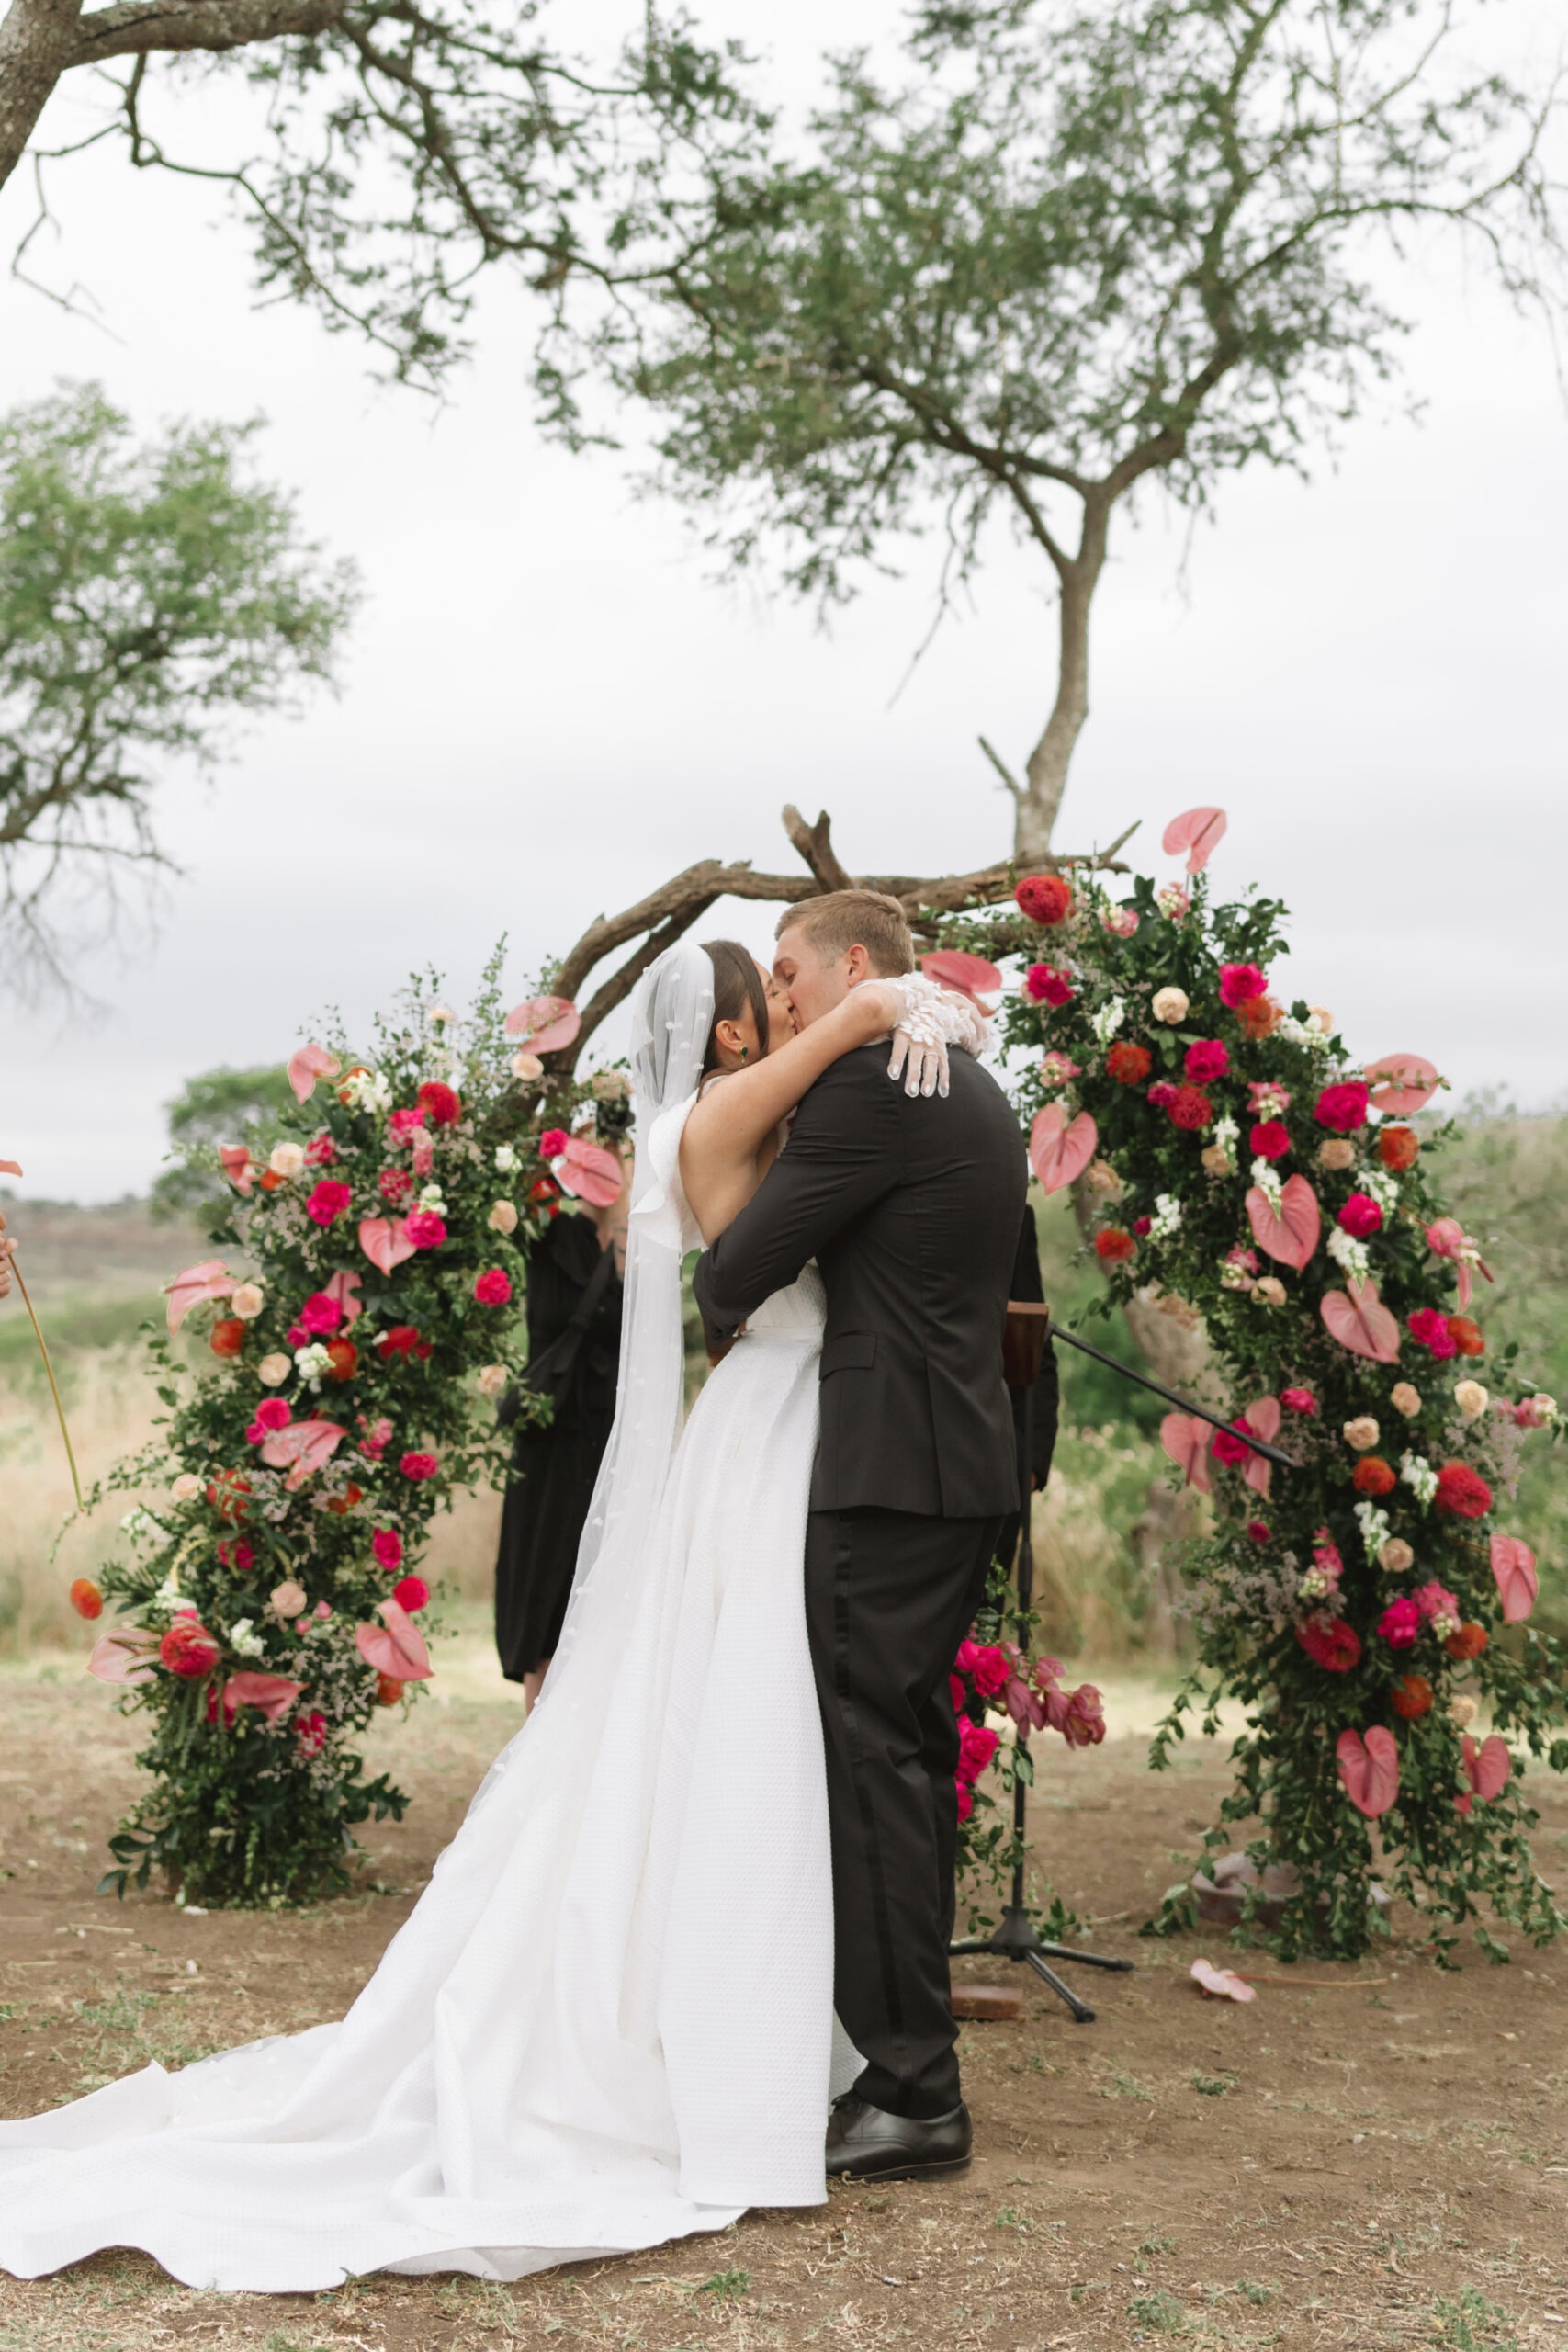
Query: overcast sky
548	706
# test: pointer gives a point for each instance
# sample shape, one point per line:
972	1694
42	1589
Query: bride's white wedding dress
608	2021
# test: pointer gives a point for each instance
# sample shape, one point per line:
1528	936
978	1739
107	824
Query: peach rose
1319	1018
1471	1398
491	1379
1337	1152
1404	1399
1169	1005
273	1369
186	1487
286	1160
247	1301
287	1599
1394	1556
502	1218
1103	1178
1463	1710
1362	1432
1215	1159
1269	1291
527	1065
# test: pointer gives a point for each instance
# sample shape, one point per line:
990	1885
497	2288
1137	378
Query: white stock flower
1106	1021
434	1199
312	1362
1374	1526
1349	1253
1225	1131
506	1158
1382	1185
1265	1177
1167	1218
244	1639
1419	1477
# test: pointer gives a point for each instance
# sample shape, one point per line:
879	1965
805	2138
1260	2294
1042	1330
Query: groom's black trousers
889	1595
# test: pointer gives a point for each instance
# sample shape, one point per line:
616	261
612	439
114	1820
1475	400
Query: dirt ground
1363	2157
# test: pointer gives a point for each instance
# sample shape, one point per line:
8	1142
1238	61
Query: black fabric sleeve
1027	1284
841	1157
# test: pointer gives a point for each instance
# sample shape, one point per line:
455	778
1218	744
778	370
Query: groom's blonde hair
840	920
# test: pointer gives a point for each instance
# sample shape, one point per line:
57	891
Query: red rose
328	1201
187	1648
387	1547
1410	1697
343	1359
228	1337
1114	1246
1129	1065
85	1598
1205	1061
1269	1139
493	1288
401	1340
1465	1333
1398	1148
1259	1017
1044	897
547	1193
419	1466
1239	983
1372	1475
1258	1530
1329	1642
1361	1216
411	1593
1463	1492
1343	1108
439	1103
1190	1108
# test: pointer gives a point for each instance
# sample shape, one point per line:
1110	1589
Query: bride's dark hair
736	983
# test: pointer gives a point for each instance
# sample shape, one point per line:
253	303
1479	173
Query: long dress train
608	2021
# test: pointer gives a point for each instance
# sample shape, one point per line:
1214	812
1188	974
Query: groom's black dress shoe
864	2142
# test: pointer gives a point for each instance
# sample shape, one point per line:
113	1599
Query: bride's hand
924	1020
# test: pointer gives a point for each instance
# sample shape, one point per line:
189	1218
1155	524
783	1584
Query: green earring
744	1051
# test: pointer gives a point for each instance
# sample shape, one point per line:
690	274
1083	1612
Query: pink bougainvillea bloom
1083	1725
395	1185
1298	1400
1343	1107
493	1287
387	1547
1400	1622
1361	1216
1057	1069
1205	1061
419	1466
425	1229
1432	1331
328	1201
320	1313
405	1123
1247	1259
1265	1097
1239	983
1122	922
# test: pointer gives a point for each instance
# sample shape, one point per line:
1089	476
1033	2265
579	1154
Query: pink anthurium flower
127	1655
1058	1152
1199	832
273	1693
306	1066
1291	1236
1486	1768
1446	1238
210	1279
544	1023
1220	1984
1359	1321
1262	1418
236	1159
302	1448
1369	1769
1186	1438
341	1287
1402	1082
395	1646
589	1172
1513	1565
965	975
384	1244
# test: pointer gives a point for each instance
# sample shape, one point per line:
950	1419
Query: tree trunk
38	39
1048	762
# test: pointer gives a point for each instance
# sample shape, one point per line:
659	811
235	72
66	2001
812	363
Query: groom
911	1208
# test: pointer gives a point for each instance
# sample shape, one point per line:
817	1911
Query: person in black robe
554	1465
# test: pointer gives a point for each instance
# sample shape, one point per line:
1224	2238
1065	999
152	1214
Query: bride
608	2021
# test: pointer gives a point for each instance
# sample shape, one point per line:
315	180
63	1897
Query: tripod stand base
1015	1940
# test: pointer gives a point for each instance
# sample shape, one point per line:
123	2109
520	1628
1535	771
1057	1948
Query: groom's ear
857	966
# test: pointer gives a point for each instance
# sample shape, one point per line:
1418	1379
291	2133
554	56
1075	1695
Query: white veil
672	1013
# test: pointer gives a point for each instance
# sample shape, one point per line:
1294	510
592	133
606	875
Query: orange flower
1260	1016
343	1359
85	1598
1468	1642
389	1691
343	1503
228	1337
1465	1333
227	1493
1410	1697
1397	1147
1113	1245
1372	1475
270	1179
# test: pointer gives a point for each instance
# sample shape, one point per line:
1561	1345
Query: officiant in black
573	1307
1045	1402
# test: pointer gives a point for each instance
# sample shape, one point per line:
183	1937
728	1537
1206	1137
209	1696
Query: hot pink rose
320	1152
1044	985
552	1143
1239	983
1206	1060
1400	1623
272	1413
387	1547
976	1745
1162	1094
1258	1529
966	1795
328	1201
989	1671
1269	1139
320	1313
1298	1400
1228	1449
1361	1216
1343	1107
493	1288
425	1229
419	1466
1431	1330
411	1593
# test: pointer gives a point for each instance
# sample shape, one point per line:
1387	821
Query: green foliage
1078	244
217	1106
149	594
1180	1205
336	1409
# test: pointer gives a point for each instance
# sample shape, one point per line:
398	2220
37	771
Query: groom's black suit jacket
911	1209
